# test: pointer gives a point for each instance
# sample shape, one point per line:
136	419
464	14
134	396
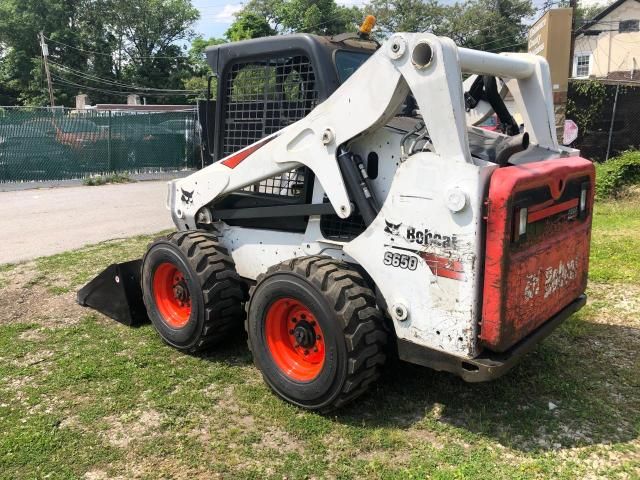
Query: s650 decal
400	260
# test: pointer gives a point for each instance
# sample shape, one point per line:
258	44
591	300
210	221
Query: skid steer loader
353	209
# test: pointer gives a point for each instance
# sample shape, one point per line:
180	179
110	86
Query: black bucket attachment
117	293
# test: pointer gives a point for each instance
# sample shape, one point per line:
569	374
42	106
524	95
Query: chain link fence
57	144
608	118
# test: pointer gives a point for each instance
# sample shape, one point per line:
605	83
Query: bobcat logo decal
187	197
392	228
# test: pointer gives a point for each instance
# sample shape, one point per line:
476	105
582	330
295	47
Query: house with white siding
608	46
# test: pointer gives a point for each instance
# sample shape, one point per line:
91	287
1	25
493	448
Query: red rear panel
537	251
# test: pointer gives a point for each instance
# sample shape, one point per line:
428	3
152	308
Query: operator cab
266	84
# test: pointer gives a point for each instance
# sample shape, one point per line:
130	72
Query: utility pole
45	56
574	5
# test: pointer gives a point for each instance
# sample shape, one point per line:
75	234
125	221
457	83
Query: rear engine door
537	246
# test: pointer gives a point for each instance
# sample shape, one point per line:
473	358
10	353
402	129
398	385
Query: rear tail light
583	198
522	221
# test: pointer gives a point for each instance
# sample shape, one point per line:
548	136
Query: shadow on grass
578	388
573	390
233	351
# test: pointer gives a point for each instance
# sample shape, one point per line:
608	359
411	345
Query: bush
617	173
103	180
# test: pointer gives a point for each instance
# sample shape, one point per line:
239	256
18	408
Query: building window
628	26
582	65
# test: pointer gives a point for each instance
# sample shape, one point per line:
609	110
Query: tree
407	15
494	25
248	25
584	14
20	23
148	31
200	69
101	45
322	17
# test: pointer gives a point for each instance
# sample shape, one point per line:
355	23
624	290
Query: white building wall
611	51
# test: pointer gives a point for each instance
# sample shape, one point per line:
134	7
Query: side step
116	292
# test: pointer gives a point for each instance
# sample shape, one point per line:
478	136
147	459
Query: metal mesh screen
335	228
262	98
290	184
45	144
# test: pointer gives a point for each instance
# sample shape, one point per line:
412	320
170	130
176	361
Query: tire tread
222	288
354	304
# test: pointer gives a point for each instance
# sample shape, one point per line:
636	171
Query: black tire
345	309
215	290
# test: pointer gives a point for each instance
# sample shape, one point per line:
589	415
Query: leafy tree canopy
322	17
495	25
102	45
407	15
248	25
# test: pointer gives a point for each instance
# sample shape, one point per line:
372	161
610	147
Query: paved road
35	223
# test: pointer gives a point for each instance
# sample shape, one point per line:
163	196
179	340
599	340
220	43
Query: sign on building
550	37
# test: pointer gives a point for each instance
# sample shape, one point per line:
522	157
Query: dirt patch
166	467
616	307
225	401
34	335
96	475
621	303
16	387
424	436
396	457
25	300
605	459
133	426
277	439
33	358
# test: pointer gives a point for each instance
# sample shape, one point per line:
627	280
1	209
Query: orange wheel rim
171	295
294	339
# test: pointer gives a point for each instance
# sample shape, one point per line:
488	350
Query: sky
217	15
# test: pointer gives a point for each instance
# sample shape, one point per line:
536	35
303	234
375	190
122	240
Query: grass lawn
84	397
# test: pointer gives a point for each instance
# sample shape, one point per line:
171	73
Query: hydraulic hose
510	147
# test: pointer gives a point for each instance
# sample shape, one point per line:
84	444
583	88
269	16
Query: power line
86	76
60	80
114	53
508	46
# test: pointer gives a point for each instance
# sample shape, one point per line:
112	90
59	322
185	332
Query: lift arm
429	67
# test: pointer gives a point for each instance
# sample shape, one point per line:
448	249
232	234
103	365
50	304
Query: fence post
109	159
613	117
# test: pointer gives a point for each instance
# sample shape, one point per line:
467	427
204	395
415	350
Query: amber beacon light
367	25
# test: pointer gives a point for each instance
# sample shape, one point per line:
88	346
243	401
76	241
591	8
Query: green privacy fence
57	144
